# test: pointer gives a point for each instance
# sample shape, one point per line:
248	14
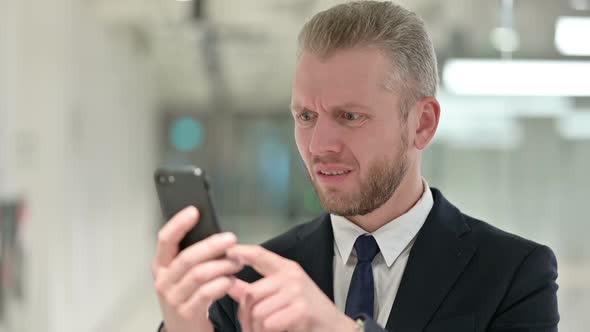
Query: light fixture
517	77
571	35
479	107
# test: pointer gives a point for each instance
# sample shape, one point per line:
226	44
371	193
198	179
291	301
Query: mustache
326	160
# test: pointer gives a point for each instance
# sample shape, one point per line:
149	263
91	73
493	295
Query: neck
405	197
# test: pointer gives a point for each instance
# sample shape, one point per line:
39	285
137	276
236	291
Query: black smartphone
181	186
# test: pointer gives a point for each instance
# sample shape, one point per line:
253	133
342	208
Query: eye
306	116
349	116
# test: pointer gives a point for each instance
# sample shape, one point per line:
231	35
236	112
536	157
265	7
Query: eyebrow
352	105
296	108
345	106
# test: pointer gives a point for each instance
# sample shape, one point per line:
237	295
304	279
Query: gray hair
396	31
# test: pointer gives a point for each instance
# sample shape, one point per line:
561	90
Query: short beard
383	179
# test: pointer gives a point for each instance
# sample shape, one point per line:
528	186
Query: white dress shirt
395	239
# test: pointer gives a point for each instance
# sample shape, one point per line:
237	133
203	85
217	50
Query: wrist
346	324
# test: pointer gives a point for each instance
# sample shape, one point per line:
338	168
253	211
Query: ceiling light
517	77
571	35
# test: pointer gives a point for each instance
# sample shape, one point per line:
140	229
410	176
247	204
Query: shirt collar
392	238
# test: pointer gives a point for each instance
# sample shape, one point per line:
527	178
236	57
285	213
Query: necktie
361	294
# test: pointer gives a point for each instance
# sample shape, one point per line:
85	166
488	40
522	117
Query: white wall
8	57
79	101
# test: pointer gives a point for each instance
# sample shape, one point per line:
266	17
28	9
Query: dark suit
462	275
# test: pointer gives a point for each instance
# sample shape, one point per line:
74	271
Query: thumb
238	290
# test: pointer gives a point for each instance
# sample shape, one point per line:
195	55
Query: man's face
348	129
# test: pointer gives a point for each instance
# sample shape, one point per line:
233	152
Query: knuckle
160	289
292	268
163	237
202	296
299	308
184	261
171	299
208	246
296	289
296	267
257	251
197	275
295	277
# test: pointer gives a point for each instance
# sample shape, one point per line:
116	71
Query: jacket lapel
439	255
315	252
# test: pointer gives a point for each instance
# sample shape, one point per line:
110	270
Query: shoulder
491	242
523	271
523	265
501	243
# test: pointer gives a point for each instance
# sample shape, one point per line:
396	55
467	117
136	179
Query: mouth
334	173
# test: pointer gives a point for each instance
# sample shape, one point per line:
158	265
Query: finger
265	287
172	232
208	249
238	290
286	319
257	292
271	304
200	275
244	314
263	261
207	293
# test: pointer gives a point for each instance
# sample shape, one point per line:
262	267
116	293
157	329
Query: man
392	254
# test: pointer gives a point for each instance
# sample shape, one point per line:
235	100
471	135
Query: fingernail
229	236
192	211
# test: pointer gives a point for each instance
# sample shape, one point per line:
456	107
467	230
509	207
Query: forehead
357	74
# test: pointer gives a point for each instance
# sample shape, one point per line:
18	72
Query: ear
428	114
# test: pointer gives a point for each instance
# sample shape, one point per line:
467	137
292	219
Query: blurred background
95	94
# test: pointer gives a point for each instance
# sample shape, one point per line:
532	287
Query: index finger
263	261
173	231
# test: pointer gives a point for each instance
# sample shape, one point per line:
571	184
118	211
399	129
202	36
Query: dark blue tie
361	294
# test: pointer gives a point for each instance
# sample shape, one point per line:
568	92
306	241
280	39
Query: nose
326	138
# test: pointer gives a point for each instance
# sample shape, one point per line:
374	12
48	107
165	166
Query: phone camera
171	179
162	179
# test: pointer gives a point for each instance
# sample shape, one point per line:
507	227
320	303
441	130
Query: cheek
374	144
302	141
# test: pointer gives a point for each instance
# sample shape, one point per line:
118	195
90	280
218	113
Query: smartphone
181	186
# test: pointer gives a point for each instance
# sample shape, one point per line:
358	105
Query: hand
285	299
188	282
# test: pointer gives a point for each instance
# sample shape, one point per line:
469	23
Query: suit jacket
462	275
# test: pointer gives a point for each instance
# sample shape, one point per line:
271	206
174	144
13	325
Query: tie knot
366	248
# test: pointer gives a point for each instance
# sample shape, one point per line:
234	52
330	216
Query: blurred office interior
94	95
